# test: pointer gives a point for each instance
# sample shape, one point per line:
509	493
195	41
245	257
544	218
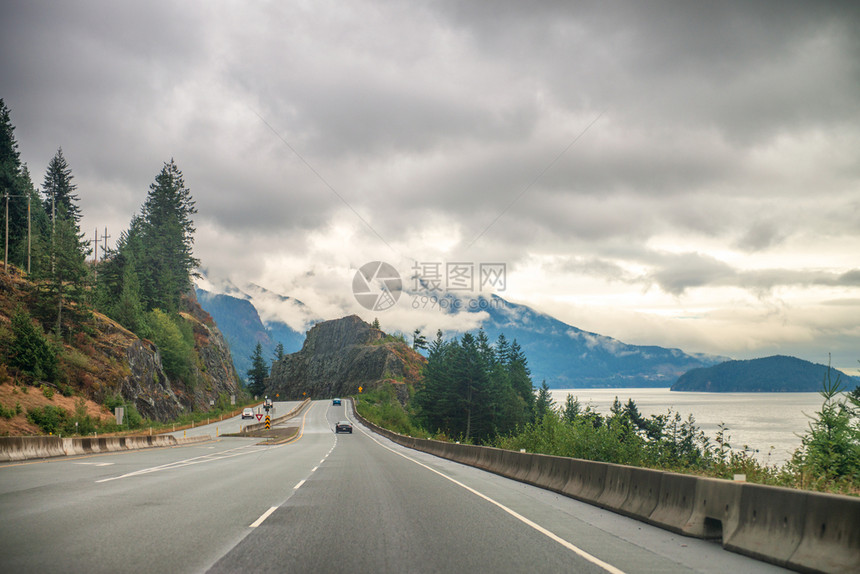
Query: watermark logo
435	277
435	285
377	286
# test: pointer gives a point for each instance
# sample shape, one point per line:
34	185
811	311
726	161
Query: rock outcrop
214	371
140	377
341	355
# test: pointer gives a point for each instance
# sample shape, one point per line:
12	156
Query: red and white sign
259	416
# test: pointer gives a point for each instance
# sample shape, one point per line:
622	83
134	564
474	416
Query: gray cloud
725	126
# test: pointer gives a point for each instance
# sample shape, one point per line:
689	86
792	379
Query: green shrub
30	350
50	419
7	413
175	341
132	417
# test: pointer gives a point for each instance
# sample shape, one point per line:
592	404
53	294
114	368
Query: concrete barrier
557	473
677	499
587	479
716	509
771	523
615	487
34	447
16	448
643	494
831	535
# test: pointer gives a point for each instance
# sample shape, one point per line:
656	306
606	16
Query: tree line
139	283
474	389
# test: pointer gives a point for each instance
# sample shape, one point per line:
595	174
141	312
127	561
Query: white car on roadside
248	413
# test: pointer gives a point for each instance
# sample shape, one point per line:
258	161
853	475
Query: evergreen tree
419	341
118	291
59	190
279	351
29	350
167	236
16	183
375	323
63	279
520	375
435	398
467	391
258	372
571	410
128	309
544	403
472	379
62	269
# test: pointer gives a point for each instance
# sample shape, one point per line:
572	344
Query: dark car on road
335	401
343	426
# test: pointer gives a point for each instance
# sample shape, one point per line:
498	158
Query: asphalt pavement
323	502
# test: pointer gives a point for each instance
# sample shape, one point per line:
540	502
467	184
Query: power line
323	180
537	177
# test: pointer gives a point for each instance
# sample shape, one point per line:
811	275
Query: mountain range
560	354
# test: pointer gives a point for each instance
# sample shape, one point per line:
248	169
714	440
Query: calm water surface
765	422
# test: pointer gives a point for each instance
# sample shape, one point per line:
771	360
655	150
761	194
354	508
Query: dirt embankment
27	397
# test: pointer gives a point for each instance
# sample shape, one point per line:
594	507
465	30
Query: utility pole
6	249
96	256
29	236
105	248
6	255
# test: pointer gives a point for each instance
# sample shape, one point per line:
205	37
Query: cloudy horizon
668	174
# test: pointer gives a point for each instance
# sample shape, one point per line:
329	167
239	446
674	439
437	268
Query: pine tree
544	403
65	284
118	290
167	234
419	341
279	351
258	372
572	408
520	375
15	183
59	190
29	350
62	270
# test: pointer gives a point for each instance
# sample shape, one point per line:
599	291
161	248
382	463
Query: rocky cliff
214	370
339	356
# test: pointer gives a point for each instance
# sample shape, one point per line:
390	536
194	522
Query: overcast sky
673	173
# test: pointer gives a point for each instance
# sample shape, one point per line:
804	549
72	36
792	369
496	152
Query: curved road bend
322	503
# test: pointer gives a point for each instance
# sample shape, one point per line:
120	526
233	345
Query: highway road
234	424
321	503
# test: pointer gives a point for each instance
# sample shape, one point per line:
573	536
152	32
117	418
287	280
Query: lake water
768	423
